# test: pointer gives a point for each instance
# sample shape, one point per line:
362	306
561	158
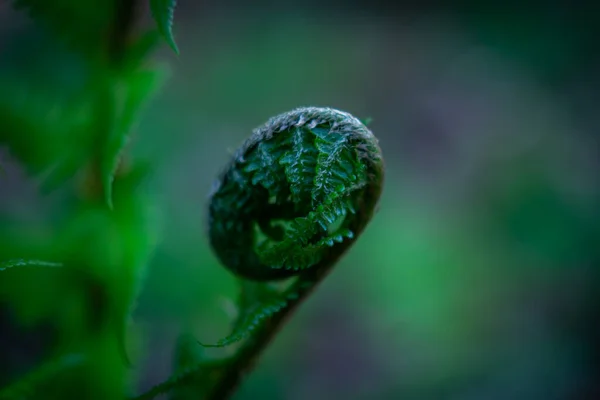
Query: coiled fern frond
299	190
295	196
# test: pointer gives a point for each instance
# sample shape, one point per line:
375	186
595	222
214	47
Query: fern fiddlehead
295	196
299	190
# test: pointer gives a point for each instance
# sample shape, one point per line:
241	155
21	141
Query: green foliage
29	116
67	112
163	11
95	113
304	182
294	198
131	96
257	302
299	179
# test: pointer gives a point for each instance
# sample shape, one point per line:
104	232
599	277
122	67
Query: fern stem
177	379
248	355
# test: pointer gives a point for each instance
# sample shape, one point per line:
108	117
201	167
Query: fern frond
294	198
257	304
131	95
29	115
300	162
298	179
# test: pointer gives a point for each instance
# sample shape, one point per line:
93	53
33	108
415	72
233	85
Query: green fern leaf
299	164
30	115
163	11
130	98
258	302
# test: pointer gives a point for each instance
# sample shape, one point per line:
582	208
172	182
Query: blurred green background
477	279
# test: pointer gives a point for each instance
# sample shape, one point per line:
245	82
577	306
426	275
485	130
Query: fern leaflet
163	11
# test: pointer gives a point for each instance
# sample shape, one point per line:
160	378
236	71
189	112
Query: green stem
231	376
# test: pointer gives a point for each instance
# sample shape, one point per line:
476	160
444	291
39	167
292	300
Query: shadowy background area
478	278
